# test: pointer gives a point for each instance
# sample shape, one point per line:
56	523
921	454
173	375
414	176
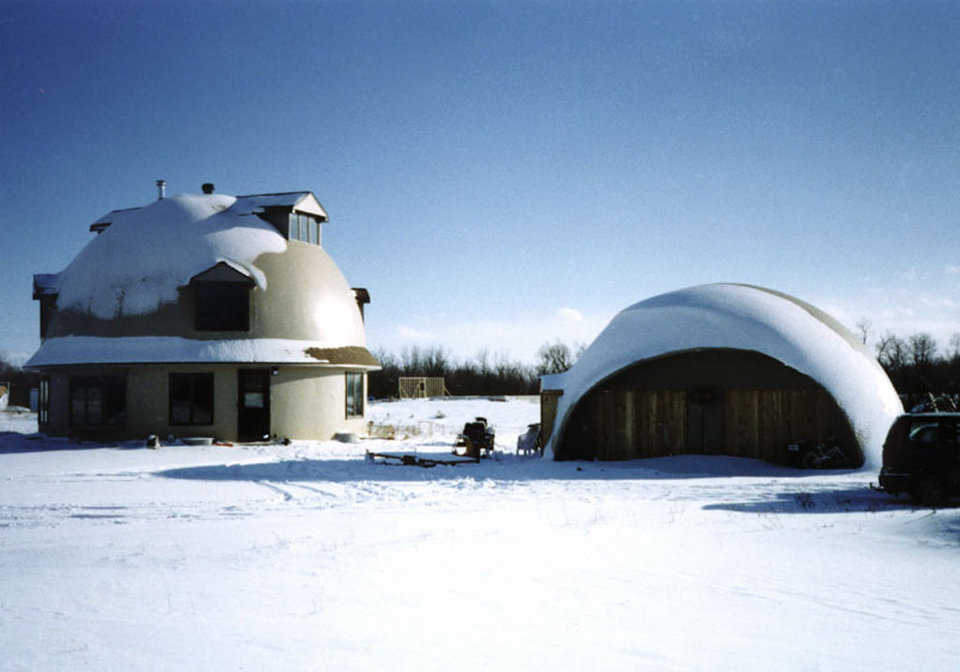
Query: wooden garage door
638	423
743	422
760	423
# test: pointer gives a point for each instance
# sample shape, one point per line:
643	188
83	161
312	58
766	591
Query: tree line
482	375
918	368
916	365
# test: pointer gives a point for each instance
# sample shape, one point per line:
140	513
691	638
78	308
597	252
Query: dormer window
297	215
222	306
221	299
305	228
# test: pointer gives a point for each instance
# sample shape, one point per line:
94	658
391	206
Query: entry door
705	431
253	415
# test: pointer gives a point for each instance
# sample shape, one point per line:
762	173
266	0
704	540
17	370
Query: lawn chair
530	442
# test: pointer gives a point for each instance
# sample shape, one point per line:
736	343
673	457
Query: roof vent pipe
207	187
161	189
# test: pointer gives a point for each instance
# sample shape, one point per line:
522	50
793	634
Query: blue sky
504	174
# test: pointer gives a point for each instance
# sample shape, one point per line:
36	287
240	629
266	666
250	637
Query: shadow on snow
508	468
820	499
15	442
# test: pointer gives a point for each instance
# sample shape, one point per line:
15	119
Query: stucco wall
305	402
148	402
306	298
311	404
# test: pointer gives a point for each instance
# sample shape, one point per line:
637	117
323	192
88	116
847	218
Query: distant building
203	315
719	369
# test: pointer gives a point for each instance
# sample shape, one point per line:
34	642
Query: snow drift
747	318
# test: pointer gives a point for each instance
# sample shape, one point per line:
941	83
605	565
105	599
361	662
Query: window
222	306
191	398
43	403
97	401
354	395
923	432
305	228
294	227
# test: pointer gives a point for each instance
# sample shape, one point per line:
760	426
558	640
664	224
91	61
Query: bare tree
554	358
923	350
483	361
891	352
863	329
432	361
955	347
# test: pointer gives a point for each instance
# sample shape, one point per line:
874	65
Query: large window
97	401
222	306
354	395
191	398
43	403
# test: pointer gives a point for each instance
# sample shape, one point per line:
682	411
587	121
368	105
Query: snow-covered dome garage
203	315
721	369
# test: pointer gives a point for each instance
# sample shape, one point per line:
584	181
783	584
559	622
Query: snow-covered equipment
477	438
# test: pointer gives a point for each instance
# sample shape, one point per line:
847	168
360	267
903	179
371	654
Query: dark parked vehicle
921	456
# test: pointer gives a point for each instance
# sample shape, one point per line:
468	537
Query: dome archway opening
709	401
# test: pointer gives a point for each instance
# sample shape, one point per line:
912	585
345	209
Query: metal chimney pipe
161	189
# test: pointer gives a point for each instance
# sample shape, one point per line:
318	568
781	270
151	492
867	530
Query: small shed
720	369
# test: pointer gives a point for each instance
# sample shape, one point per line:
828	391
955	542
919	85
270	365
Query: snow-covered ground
309	557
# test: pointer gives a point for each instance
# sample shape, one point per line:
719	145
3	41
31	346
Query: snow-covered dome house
721	369
203	315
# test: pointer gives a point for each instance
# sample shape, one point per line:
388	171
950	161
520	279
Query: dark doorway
253	406
705	430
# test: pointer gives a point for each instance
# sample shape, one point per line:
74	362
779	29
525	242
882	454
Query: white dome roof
144	256
741	317
147	253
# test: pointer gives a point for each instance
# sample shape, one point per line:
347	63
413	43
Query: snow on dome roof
741	317
147	253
